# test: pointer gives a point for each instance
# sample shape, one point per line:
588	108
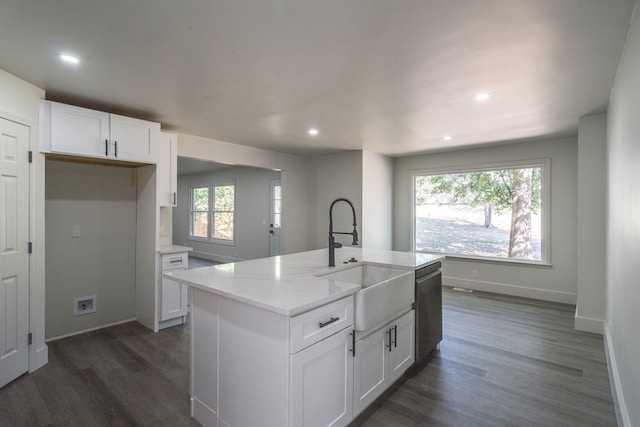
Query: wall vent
84	305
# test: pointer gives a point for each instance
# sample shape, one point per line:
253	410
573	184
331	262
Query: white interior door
14	257
275	227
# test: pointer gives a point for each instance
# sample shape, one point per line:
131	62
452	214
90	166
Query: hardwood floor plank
504	361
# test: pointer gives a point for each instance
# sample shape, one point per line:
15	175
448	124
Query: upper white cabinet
66	129
167	170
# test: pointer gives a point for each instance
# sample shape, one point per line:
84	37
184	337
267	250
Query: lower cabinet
254	367
381	357
173	296
321	383
174	299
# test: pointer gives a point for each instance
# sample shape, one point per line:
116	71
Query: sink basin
385	292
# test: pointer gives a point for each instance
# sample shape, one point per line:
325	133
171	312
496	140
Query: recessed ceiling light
313	131
446	138
69	58
482	96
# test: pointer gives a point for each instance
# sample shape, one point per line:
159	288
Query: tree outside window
224	211
488	213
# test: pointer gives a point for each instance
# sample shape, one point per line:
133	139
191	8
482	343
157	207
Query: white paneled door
14	257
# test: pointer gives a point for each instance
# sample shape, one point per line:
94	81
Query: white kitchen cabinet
253	367
167	170
173	296
70	130
321	383
382	356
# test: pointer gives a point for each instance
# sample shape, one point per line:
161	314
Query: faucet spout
332	241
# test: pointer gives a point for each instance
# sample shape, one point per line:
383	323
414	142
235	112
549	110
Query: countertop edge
277	300
173	249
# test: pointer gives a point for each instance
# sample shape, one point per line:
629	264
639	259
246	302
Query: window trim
210	214
545	205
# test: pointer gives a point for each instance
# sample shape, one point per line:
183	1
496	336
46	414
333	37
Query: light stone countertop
288	284
173	249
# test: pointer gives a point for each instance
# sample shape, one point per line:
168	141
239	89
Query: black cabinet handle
328	322
353	342
389	333
106	147
174	198
395	335
115	146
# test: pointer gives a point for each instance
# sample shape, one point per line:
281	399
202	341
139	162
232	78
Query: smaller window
223	212
199	224
213	212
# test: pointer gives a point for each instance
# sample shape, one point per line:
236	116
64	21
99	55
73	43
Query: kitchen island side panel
253	365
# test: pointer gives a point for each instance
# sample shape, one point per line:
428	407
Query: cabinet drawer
315	325
175	261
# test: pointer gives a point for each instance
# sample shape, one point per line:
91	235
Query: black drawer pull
328	322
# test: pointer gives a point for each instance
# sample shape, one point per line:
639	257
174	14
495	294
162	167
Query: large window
496	212
213	213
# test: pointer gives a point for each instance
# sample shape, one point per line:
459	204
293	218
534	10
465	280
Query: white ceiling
392	77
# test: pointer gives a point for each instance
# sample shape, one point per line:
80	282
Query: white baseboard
616	386
588	324
519	291
202	413
213	257
89	330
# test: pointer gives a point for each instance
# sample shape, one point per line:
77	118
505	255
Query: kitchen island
273	340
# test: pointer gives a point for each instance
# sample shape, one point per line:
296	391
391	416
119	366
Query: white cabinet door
381	358
168	170
80	131
322	383
402	354
173	299
370	369
133	139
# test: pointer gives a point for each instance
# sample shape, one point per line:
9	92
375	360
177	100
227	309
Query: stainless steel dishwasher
428	306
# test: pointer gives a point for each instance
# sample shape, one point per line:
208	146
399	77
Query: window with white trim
498	212
212	213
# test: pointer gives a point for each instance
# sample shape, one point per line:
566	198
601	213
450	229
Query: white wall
591	223
554	283
623	228
102	261
377	200
295	184
253	187
334	176
20	102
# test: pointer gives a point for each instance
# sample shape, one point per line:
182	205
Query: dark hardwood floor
504	362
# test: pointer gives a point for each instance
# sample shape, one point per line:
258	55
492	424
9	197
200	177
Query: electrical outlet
76	231
474	274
